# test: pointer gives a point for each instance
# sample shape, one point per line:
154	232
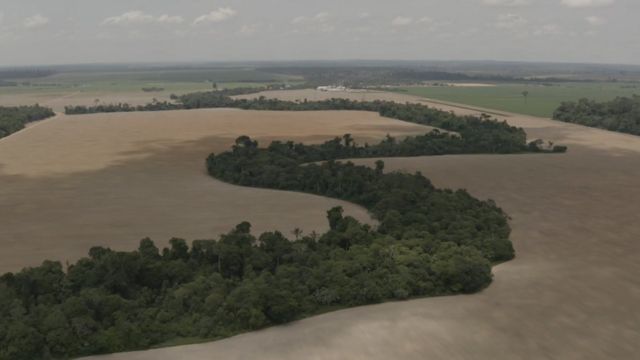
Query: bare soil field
573	291
73	182
58	100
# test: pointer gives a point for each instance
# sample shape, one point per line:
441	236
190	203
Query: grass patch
542	100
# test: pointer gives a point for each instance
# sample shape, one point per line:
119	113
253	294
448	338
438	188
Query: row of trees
372	76
14	119
621	114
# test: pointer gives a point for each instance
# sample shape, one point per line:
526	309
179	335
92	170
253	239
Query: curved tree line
427	242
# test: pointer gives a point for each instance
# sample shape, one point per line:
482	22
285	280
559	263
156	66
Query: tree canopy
15	118
621	114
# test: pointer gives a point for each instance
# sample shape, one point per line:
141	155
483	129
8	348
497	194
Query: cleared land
131	92
88	87
571	293
541	101
73	182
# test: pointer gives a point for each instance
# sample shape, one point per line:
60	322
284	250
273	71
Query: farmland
83	181
558	291
95	180
335	180
541	100
120	85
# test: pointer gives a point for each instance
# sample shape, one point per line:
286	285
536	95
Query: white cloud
402	21
512	3
317	23
249	29
318	18
215	16
138	17
586	3
35	21
595	20
167	19
130	17
548	29
364	15
510	21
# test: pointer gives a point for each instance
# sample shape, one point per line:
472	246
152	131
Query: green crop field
178	81
542	100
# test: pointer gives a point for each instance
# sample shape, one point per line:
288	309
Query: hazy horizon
42	32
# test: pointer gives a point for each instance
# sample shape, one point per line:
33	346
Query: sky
38	32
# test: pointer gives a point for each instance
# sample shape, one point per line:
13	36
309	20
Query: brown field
573	292
58	100
72	182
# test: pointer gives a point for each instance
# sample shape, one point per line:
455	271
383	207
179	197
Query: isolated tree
148	249
348	140
379	167
243	228
525	94
297	232
335	217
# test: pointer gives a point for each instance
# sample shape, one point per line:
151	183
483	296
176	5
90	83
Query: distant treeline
14	119
152	89
375	76
358	76
4	83
26	73
621	114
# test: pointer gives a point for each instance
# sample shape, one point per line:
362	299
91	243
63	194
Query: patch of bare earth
573	292
73	182
58	100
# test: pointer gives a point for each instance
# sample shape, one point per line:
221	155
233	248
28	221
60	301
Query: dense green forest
14	119
621	114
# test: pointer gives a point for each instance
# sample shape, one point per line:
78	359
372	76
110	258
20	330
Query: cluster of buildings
331	88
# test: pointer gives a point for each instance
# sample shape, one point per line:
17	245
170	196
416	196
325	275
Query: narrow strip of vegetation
621	114
13	119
